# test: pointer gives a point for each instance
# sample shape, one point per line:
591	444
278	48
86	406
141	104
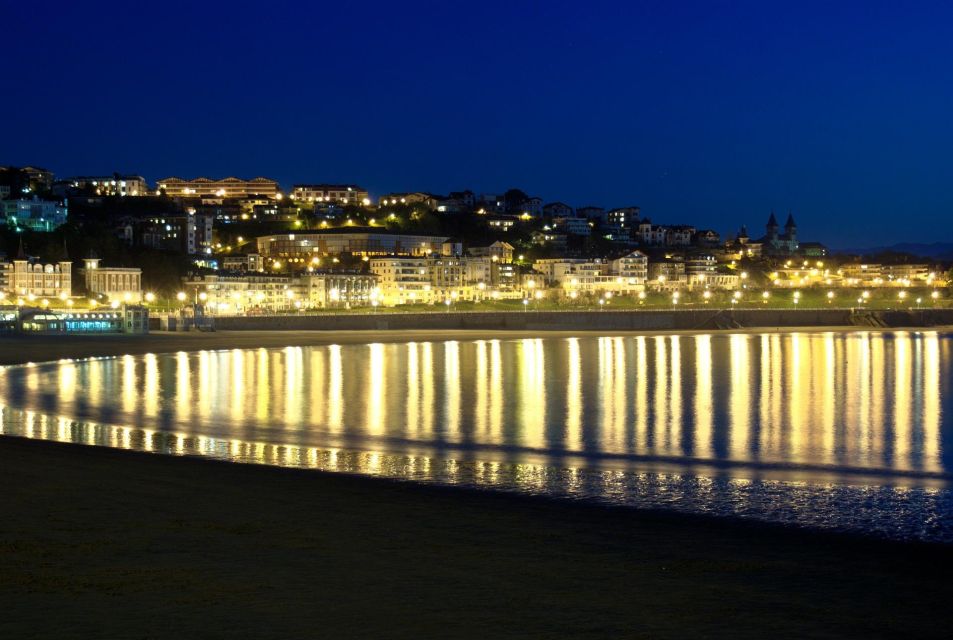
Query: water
838	431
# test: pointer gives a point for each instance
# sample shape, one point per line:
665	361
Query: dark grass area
97	543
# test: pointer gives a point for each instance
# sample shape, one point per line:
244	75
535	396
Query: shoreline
22	349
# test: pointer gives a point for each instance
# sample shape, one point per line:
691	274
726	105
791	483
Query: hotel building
428	280
225	188
233	294
305	246
116	283
22	279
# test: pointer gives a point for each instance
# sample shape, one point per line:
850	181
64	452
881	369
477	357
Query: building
633	265
591	213
624	217
338	193
431	280
558	210
532	206
252	262
35	214
783	244
499	250
707	238
28	280
416	197
742	246
575	226
237	294
230	187
116	283
668	274
302	247
125	319
189	233
575	276
114	185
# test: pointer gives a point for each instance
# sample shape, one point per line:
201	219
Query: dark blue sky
710	113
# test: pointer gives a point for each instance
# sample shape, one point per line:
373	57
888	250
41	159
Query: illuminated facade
116	283
225	188
499	251
430	280
26	280
229	294
305	246
114	185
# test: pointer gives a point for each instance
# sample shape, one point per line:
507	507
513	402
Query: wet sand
98	543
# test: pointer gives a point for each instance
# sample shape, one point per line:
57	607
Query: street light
180	296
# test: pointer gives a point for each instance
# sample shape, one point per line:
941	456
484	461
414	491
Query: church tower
772	230
790	230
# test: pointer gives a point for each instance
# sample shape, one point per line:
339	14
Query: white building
24	280
304	246
431	280
116	283
632	266
235	294
499	250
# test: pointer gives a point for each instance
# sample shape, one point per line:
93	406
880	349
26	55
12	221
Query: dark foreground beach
100	543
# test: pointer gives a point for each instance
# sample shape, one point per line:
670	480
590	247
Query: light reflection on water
841	431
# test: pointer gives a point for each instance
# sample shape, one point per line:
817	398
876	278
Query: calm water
844	431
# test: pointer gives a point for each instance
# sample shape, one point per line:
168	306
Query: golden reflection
674	443
150	386
481	417
375	389
820	399
902	411
496	391
574	396
335	388
641	374
661	422
702	443
452	383
931	403
531	393
739	427
413	389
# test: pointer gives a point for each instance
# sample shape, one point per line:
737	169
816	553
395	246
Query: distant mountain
933	251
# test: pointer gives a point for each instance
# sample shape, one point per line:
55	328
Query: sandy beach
105	543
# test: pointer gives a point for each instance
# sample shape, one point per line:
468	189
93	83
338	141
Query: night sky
705	113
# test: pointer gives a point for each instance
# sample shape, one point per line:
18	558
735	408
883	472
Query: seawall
648	320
